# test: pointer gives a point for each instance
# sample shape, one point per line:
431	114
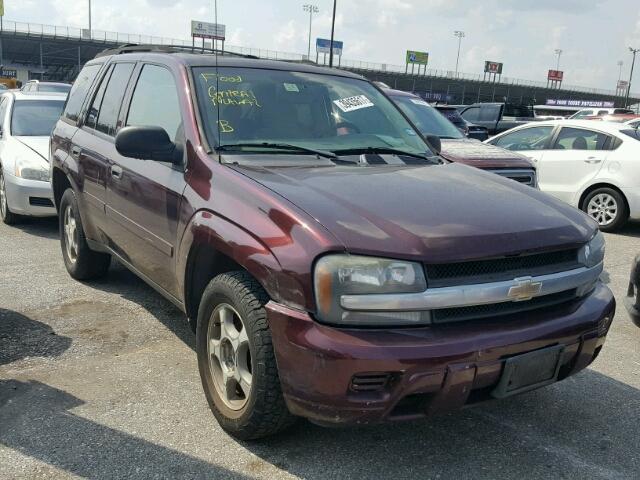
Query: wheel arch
59	183
595	186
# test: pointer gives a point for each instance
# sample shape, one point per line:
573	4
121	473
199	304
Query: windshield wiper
379	150
277	146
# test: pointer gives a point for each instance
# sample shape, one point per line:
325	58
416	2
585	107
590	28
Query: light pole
633	62
620	64
558	52
311	9
333	27
460	35
89	18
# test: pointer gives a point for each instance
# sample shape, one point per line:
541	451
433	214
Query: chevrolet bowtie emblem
525	289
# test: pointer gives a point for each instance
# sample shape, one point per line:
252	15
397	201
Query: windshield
52	87
453	115
314	111
428	120
35	117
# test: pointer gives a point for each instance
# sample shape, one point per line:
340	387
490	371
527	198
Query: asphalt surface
99	380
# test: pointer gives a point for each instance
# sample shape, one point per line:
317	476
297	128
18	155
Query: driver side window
533	138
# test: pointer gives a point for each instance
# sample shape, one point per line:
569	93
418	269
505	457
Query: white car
590	165
598	112
635	123
26	121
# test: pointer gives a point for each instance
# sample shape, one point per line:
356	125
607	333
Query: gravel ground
99	380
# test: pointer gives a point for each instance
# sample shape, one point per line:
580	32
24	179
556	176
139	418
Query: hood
39	145
482	155
435	213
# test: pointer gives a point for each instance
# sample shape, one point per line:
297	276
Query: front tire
607	207
5	213
82	263
236	359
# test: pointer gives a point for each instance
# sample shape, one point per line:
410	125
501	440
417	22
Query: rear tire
5	213
607	207
236	359
82	263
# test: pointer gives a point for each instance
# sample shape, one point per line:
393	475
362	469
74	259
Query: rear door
143	196
575	157
93	144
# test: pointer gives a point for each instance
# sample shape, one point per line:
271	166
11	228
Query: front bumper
29	197
632	301
412	373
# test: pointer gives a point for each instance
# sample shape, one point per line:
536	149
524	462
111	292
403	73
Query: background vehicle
553	112
635	123
26	122
591	165
48	87
470	130
498	117
596	112
281	206
616	118
456	148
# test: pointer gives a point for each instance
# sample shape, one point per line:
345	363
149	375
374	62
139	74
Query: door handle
592	160
75	152
116	172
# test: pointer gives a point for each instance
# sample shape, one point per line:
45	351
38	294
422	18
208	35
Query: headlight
31	170
337	275
593	252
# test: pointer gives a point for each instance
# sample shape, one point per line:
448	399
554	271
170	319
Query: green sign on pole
419	58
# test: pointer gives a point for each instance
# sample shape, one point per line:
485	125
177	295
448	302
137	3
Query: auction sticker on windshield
419	102
350	104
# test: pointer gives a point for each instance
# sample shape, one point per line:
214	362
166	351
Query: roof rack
138	48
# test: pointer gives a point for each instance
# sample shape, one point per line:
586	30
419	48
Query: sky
523	34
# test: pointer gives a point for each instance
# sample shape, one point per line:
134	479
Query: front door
144	196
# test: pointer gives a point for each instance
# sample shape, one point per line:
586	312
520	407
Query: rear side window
532	138
471	114
79	91
489	113
112	99
155	101
580	139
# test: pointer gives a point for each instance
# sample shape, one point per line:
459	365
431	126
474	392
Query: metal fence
117	37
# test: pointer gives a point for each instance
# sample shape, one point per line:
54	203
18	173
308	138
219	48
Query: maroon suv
333	265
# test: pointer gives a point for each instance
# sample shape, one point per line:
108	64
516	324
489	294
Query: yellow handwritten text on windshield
241	98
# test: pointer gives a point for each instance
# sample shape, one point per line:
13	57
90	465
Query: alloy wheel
70	234
603	208
229	356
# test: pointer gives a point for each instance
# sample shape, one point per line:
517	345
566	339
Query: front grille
459	314
504	268
528	177
40	202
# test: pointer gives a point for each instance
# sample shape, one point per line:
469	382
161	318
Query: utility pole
558	52
333	27
89	18
311	9
620	64
633	51
460	35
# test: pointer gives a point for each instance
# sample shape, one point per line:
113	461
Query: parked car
469	129
590	165
456	148
45	87
498	117
596	112
634	123
26	122
632	301
333	265
616	118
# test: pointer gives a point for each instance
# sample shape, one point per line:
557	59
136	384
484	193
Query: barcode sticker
350	104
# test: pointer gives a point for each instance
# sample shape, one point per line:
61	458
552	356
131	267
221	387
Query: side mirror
147	143
435	142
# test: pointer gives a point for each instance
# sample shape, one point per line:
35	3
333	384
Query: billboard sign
579	103
8	72
323	45
555	75
418	58
214	31
623	84
493	67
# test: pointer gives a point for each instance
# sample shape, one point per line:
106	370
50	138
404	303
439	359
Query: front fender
209	229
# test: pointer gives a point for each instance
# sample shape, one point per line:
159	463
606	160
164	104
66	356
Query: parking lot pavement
99	380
